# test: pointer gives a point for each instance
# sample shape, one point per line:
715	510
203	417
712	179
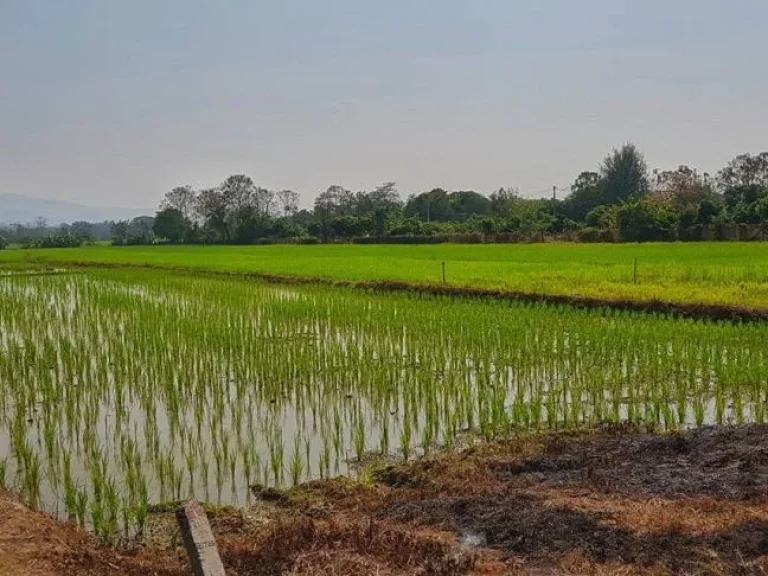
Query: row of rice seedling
685	273
119	389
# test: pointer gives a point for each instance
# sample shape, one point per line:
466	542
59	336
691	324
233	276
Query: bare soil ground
617	500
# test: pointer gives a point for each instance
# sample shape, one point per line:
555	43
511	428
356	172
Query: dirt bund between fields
697	311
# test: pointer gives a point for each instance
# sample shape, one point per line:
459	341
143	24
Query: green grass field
733	274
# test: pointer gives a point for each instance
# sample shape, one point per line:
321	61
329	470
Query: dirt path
34	544
613	501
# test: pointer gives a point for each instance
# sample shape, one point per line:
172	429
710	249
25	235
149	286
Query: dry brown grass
618	500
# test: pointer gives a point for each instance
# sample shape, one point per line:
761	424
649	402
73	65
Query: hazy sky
113	103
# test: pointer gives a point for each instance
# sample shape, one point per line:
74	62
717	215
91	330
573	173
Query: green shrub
60	240
645	221
589	234
602	218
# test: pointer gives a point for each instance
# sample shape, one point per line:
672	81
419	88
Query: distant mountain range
25	210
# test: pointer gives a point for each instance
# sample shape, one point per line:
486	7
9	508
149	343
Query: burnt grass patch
516	501
724	462
303	546
525	526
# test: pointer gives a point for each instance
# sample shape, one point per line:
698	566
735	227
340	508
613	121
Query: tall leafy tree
682	188
501	201
744	184
244	203
585	181
430	206
141	227
181	198
170	224
83	230
624	175
379	206
120	232
212	210
467	203
237	191
336	201
287	202
264	201
586	195
745	170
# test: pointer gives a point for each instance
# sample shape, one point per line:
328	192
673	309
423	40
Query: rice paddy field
725	274
122	388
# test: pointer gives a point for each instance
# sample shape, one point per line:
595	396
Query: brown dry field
615	500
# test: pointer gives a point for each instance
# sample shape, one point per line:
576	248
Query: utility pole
554	192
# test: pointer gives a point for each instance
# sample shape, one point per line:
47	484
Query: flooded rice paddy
120	389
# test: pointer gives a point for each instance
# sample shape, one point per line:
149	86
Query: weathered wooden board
198	540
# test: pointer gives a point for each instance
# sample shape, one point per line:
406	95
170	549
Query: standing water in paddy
118	389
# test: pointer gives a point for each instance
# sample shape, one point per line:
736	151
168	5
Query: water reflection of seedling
142	386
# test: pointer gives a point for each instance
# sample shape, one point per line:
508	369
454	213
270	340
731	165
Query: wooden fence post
198	540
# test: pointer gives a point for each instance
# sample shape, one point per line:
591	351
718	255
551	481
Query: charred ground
616	500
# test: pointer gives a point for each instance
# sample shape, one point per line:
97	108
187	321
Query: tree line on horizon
41	234
621	201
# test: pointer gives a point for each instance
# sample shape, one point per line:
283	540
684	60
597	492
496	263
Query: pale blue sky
112	103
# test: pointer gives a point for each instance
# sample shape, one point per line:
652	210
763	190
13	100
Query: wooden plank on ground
198	540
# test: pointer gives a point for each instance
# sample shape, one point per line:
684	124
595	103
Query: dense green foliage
171	225
112	396
134	233
640	221
733	273
59	239
42	235
621	202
